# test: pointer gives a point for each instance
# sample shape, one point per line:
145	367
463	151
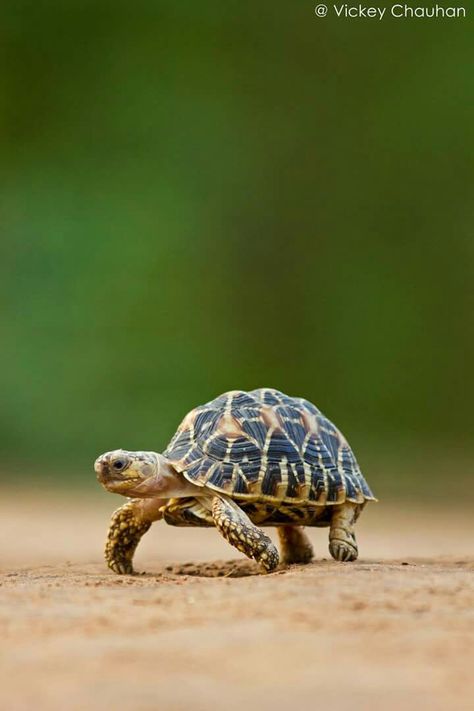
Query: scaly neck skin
166	483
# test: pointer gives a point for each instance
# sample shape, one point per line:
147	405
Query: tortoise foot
241	533
123	537
343	550
295	545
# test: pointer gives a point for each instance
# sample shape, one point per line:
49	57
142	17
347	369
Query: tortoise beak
101	467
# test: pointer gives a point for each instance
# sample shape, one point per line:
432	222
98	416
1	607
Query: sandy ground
202	630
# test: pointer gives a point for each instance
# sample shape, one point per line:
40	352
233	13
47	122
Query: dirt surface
201	629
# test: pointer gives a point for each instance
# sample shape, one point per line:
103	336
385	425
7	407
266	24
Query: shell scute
271	480
279	446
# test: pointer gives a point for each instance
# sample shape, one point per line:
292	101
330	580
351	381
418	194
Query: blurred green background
199	197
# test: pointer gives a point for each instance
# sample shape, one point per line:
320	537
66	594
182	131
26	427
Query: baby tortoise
242	461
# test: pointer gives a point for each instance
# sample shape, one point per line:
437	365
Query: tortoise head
131	473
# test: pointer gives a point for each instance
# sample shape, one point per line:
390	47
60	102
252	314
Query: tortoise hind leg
342	541
295	545
240	532
127	526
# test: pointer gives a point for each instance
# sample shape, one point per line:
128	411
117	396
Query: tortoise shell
265	446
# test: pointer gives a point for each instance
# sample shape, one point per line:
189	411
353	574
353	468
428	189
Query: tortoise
242	461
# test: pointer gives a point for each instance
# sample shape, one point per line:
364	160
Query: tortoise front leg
128	524
240	532
295	545
342	541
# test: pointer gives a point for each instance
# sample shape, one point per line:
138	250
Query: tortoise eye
119	464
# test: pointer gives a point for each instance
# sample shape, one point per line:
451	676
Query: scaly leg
240	532
128	524
295	545
342	541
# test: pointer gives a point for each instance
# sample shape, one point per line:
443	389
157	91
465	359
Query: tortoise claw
342	550
121	567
